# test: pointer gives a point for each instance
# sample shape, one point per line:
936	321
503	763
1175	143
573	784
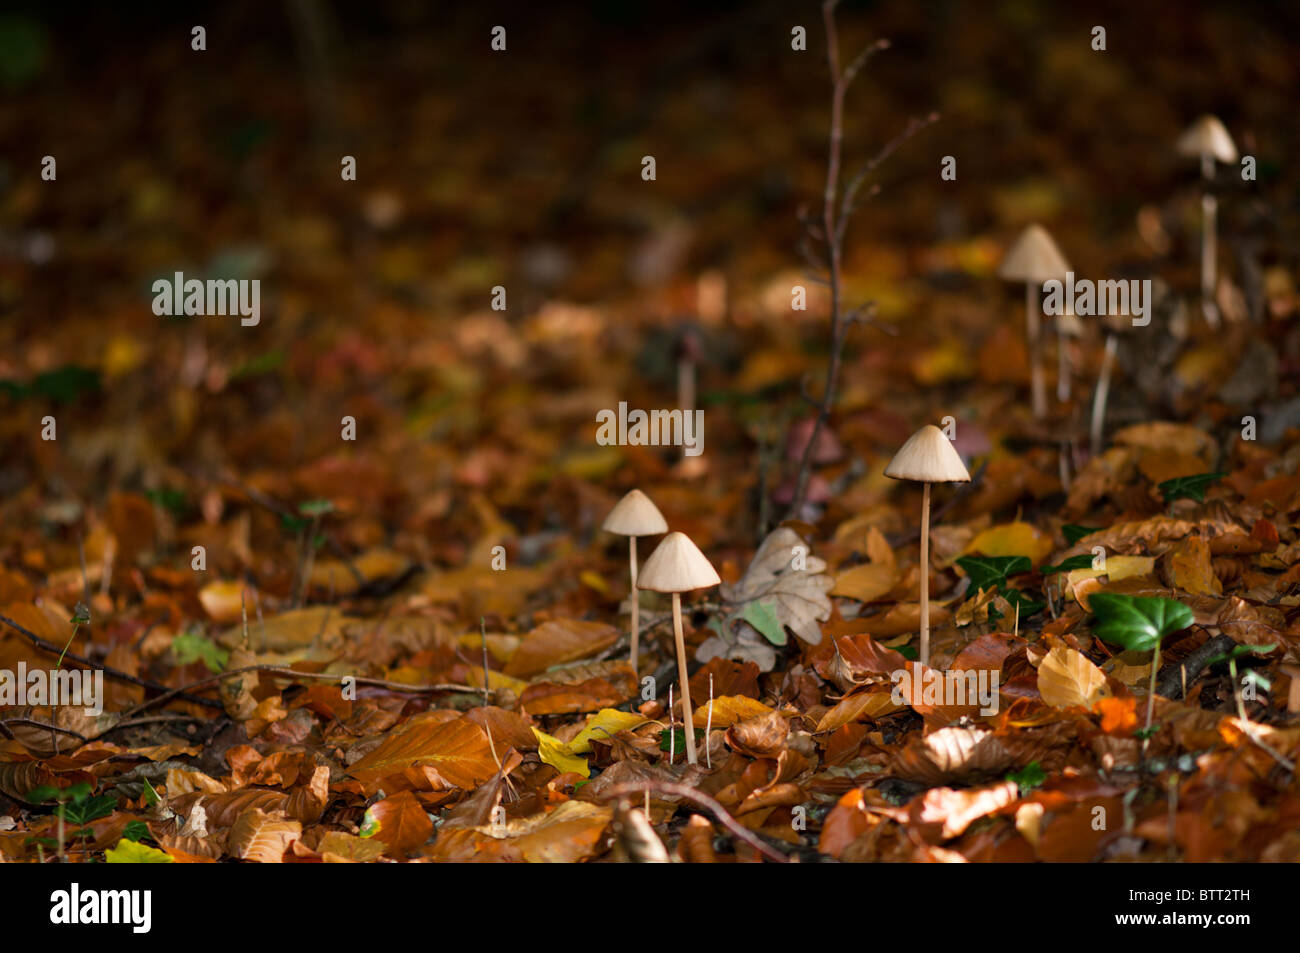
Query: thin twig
702	800
111	672
290	673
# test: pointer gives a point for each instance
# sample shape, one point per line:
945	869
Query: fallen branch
1174	678
280	672
111	672
709	804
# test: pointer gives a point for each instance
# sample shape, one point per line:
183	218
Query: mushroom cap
928	457
1208	134
1033	257
635	515
677	565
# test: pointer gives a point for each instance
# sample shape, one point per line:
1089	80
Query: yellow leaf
555	752
1117	568
729	709
857	707
495	680
130	852
1012	539
1066	678
594	580
223	600
600	726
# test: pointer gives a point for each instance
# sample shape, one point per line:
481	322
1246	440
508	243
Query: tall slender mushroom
1033	259
634	516
927	457
1208	140
678	566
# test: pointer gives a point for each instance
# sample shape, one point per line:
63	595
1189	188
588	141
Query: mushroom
678	566
927	457
634	516
1033	259
1208	139
1068	325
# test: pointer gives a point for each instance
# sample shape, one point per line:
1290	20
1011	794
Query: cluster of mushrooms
928	456
678	566
1034	258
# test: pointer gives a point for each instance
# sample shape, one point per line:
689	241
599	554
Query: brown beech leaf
403	824
861	706
761	737
454	754
955	753
1067	678
946	813
1187	566
261	837
559	641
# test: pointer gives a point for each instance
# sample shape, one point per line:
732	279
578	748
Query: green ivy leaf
1027	606
1074	562
1074	532
678	739
1189	487
189	647
1137	622
136	831
82	812
986	572
1029	777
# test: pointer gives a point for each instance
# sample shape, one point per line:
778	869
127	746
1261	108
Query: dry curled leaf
797	596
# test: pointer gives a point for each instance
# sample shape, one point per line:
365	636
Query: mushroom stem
636	603
1209	215
1103	392
687	721
1034	338
1064	366
925	574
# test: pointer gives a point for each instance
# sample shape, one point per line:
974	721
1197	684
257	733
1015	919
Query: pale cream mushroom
678	566
1207	139
634	516
1034	259
927	457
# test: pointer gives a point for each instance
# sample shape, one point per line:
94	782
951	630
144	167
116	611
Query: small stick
482	631
709	804
53	649
672	728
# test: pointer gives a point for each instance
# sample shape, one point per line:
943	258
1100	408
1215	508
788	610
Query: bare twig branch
703	800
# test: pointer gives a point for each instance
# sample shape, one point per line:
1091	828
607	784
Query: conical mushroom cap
635	515
1033	258
677	565
1207	134
928	457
